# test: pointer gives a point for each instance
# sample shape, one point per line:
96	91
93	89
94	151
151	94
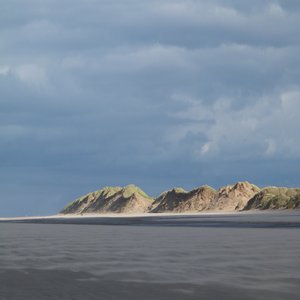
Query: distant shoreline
139	215
90	218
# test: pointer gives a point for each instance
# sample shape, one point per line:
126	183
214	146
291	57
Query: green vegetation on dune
179	190
255	186
294	202
109	191
281	191
130	189
275	198
208	188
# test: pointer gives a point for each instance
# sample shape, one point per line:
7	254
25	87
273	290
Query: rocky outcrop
234	197
178	200
129	199
275	198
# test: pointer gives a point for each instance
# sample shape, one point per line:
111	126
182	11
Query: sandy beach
116	215
249	219
148	214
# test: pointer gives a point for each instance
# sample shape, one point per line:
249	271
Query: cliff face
129	199
275	198
181	201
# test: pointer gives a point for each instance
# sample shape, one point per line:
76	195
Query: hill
178	200
275	198
129	199
236	197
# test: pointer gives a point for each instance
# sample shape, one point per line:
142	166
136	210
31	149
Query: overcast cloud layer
156	93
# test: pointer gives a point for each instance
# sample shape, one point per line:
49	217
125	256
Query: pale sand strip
121	215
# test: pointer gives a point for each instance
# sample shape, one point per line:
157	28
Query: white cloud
276	10
271	147
4	70
205	148
32	74
199	12
269	127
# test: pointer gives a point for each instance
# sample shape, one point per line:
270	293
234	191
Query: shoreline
147	215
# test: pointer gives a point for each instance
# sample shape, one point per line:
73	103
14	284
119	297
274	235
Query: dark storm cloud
157	93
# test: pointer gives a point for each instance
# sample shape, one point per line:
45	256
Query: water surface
205	257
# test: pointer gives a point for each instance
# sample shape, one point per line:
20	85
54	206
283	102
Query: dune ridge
131	199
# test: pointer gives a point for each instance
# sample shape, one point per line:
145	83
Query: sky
162	93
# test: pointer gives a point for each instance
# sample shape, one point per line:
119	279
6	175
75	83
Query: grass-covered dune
129	199
236	197
275	198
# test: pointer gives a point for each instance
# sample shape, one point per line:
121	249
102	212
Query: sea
233	256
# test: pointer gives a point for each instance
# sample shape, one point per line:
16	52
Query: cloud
158	93
4	70
266	127
31	74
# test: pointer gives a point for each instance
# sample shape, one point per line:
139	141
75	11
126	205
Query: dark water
233	257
